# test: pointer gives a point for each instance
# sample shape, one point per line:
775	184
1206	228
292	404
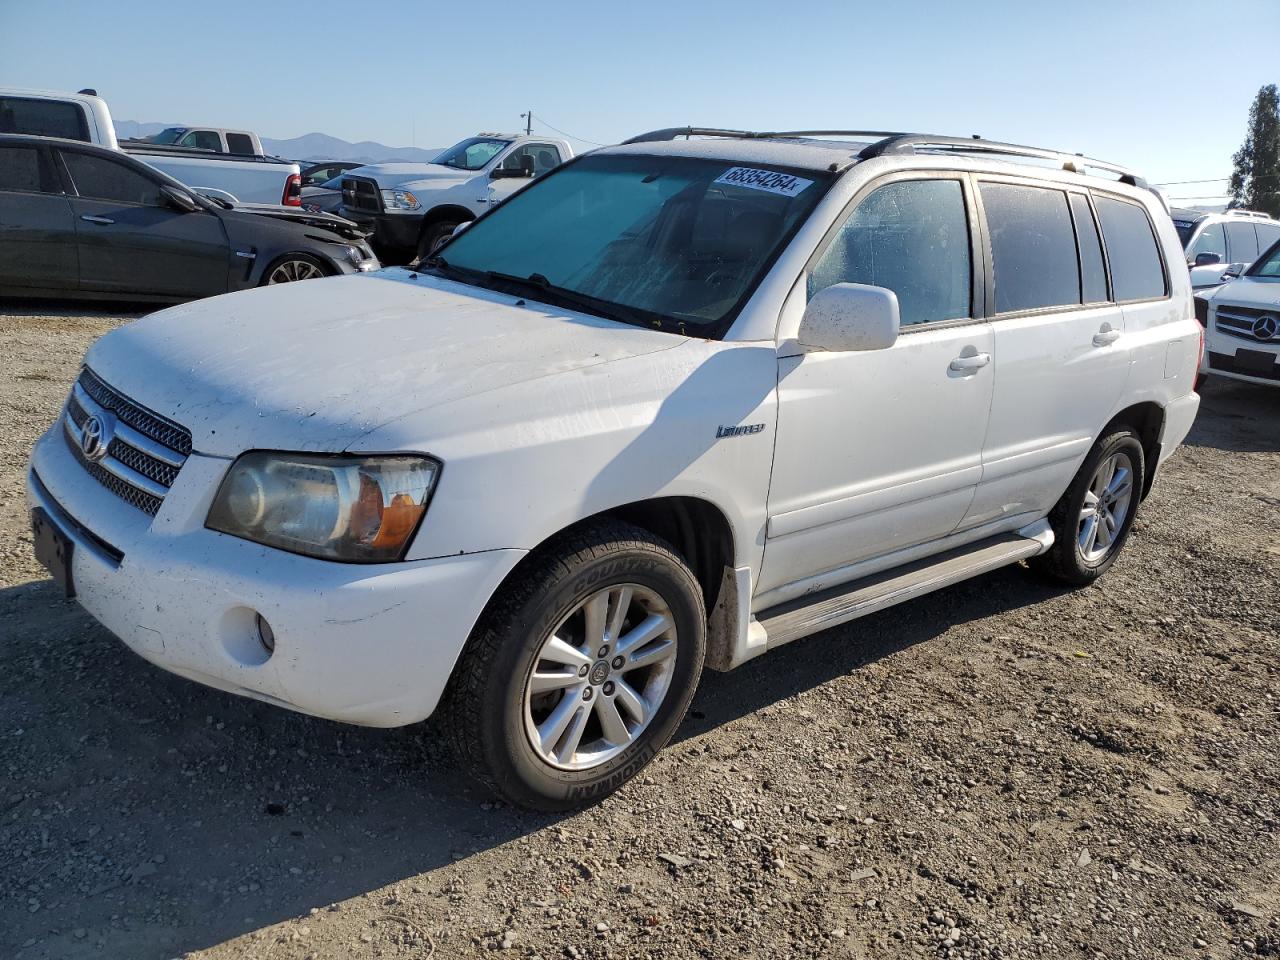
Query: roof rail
1255	214
915	143
889	143
671	133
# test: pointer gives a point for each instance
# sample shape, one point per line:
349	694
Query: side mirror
511	173
178	199
850	316
1207	259
460	227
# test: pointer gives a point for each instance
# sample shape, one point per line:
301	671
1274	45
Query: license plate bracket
1256	361
53	549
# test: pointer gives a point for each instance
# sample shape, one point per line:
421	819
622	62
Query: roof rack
887	142
1255	214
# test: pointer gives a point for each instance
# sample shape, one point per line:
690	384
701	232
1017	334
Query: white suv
1222	245
677	403
1242	324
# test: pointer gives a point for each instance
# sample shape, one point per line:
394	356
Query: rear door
131	241
1061	362
37	227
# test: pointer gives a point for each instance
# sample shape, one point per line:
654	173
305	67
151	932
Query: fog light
266	635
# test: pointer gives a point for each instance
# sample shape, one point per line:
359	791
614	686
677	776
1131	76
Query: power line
569	135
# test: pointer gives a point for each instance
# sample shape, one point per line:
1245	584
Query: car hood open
315	365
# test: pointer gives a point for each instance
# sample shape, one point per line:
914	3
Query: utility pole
528	122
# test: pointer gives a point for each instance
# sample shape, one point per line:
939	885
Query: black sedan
82	221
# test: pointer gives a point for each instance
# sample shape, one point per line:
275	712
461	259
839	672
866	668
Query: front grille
1239	322
361	194
144	450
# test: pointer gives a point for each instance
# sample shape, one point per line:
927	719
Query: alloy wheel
600	677
1105	508
290	271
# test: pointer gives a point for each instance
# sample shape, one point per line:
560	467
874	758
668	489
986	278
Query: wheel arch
447	211
1146	419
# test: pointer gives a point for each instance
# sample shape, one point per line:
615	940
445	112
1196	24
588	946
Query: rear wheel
292	267
1092	520
580	670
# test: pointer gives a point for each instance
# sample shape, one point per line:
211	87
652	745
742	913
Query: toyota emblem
1266	327
94	439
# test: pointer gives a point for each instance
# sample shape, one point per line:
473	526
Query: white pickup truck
412	208
84	116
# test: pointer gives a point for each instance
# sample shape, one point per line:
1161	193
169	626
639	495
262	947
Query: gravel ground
1002	769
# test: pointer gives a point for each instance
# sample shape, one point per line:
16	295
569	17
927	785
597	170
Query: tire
434	235
293	267
494	708
1077	558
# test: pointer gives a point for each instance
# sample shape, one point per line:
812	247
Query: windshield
169	135
471	154
1185	229
672	242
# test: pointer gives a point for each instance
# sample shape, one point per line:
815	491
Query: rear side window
240	143
23	170
911	237
1267	235
43	118
1243	242
1137	272
101	178
1033	247
1093	269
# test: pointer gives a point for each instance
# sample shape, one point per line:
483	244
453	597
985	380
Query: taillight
292	191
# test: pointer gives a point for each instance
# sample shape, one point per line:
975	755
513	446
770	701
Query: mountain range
310	146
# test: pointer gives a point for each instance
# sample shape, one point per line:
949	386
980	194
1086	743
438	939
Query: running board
849	601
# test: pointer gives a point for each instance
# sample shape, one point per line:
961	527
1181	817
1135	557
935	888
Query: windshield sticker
783	184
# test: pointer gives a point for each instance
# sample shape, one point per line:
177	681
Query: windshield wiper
544	289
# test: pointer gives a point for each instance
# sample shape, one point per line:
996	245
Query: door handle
89	219
969	364
1104	337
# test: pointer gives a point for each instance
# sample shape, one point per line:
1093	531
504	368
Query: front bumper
367	644
388	231
1240	358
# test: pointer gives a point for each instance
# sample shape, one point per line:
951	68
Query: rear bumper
365	644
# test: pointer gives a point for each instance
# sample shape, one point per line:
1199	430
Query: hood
1260	292
325	221
388	175
314	366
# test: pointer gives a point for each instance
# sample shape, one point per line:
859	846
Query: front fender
523	462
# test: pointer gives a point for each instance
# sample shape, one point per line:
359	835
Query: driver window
542	157
1211	240
911	237
204	139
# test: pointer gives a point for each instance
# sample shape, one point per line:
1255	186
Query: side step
829	608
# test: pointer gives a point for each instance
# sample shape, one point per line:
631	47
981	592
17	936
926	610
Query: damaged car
84	221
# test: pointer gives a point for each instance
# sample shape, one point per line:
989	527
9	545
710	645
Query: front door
881	450
131	241
37	229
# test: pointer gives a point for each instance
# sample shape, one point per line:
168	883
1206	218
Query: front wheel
1092	520
293	267
581	669
434	235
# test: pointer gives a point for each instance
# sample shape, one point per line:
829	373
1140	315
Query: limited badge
770	181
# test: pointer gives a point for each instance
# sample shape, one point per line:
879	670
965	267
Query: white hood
389	175
315	365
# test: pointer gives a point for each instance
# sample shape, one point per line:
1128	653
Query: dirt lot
999	770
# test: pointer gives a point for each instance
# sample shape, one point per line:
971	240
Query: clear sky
1163	86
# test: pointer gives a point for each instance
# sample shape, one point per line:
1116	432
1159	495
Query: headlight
399	200
357	509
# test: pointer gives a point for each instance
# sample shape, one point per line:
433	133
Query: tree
1255	181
